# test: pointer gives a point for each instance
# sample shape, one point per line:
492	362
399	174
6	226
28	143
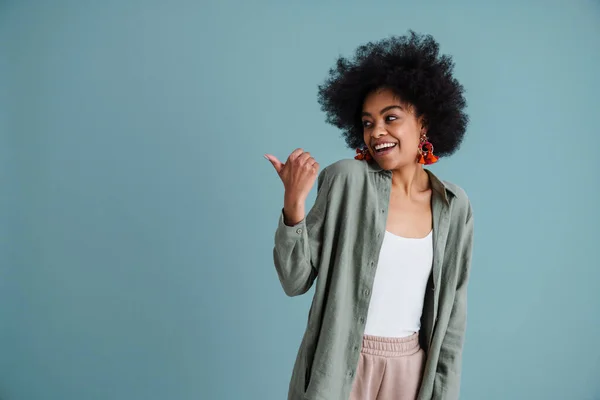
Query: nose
379	131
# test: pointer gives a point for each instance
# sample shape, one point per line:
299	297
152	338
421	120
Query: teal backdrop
138	212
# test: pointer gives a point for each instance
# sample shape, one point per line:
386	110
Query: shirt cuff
287	232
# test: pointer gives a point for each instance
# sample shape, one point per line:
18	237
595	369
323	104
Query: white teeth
384	145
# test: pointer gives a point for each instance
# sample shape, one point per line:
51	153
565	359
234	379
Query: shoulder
345	171
346	167
458	192
461	202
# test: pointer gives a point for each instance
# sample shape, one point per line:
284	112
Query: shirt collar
436	184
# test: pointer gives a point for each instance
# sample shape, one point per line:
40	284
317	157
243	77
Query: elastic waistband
391	347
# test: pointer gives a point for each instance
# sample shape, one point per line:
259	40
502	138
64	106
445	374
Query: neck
410	179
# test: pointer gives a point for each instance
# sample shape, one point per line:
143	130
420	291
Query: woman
388	243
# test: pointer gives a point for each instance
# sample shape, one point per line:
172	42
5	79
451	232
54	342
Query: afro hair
413	69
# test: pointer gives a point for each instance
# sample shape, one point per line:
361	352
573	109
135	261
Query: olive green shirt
337	246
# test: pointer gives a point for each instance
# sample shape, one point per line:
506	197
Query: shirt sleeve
297	248
448	377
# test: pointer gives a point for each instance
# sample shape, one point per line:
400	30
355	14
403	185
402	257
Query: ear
423	124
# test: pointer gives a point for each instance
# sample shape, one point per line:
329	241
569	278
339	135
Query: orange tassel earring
426	155
363	154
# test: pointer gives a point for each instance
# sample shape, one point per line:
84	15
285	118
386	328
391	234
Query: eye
366	124
391	118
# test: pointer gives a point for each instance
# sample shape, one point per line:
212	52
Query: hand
298	175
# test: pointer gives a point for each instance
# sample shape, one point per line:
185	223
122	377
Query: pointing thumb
278	165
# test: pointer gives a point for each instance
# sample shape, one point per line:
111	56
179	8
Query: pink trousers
389	369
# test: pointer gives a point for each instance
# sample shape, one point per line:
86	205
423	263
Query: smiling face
391	129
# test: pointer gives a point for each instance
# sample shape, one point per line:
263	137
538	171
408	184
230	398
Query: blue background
138	211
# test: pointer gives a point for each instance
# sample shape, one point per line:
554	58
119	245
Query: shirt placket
367	275
440	227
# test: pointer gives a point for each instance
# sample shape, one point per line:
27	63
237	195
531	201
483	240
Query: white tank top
399	288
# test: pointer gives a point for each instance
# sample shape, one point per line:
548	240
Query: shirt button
299	231
367	292
362	320
350	374
382	211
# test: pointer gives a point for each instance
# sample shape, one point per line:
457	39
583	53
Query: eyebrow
383	110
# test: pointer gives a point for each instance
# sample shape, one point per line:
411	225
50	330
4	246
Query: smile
383	148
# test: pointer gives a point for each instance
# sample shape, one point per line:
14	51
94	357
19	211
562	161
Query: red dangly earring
363	154
426	155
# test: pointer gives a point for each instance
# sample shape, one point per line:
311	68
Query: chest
410	217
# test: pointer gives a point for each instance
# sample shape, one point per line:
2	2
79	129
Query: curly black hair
413	69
